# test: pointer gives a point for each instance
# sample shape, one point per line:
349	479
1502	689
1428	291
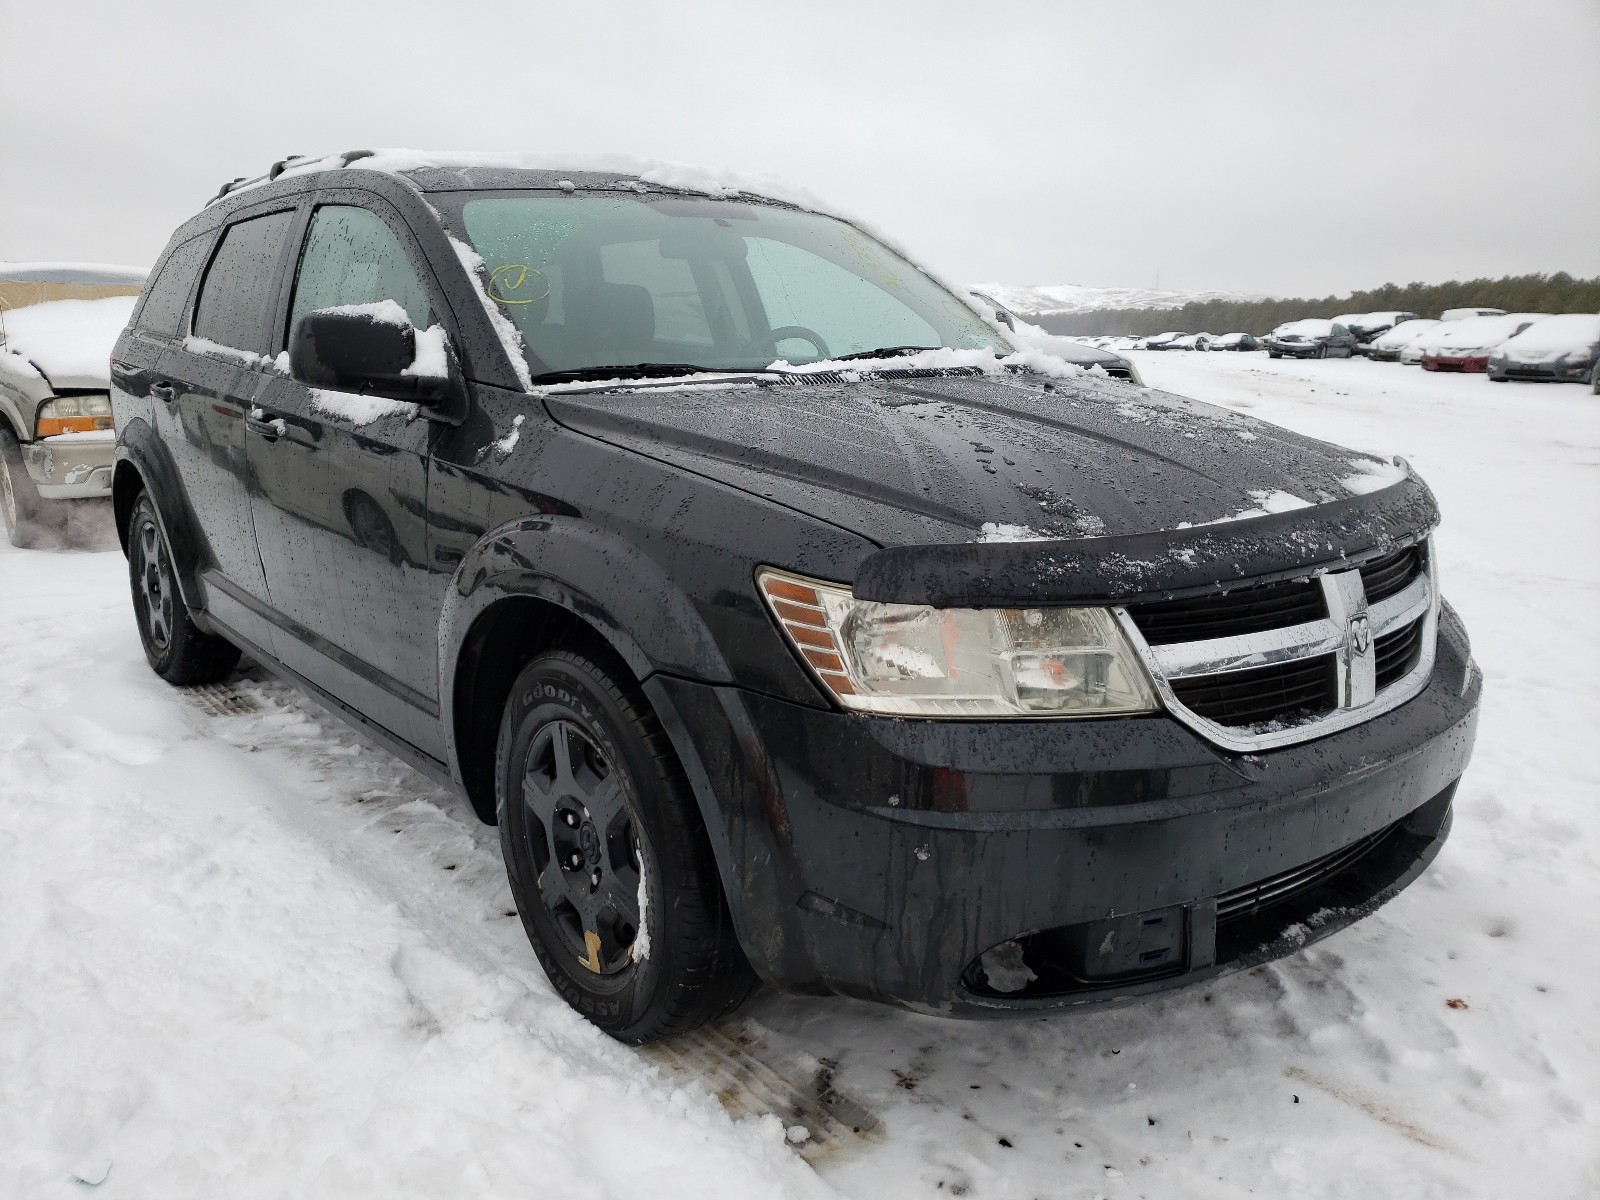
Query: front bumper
1558	370
1446	362
883	858
72	466
1295	349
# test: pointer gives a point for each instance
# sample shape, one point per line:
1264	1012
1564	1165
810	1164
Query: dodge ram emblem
1360	633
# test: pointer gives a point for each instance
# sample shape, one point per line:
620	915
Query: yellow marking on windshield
510	278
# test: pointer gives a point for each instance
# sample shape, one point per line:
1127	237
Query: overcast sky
1258	145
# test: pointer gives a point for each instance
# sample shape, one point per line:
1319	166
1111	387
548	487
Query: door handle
256	422
163	391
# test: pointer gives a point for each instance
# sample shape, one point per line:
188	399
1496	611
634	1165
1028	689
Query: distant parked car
1311	338
1466	314
1235	341
1564	347
58	322
1079	353
1191	341
1387	347
1163	341
1373	325
1465	345
1349	320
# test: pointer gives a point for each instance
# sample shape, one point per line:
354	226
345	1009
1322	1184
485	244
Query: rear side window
237	297
353	257
168	296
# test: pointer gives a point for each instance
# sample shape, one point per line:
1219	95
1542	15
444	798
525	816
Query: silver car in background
58	323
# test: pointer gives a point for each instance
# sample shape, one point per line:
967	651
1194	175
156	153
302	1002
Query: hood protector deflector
1170	564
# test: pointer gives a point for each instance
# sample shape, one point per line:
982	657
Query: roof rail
278	168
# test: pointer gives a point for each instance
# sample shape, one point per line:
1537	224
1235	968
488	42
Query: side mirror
372	348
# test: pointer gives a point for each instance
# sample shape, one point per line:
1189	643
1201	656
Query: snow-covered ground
243	953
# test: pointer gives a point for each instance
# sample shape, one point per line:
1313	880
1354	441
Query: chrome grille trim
1349	632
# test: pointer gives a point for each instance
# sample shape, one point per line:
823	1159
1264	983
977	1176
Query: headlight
913	660
74	414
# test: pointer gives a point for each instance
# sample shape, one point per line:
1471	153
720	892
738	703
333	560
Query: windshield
612	280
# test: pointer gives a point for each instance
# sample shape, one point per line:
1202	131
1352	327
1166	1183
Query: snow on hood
1476	333
1565	332
970	458
69	341
1310	327
1405	332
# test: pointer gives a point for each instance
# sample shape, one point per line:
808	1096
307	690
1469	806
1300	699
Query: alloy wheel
155	585
585	846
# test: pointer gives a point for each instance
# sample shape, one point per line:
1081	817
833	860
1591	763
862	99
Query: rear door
340	506
203	386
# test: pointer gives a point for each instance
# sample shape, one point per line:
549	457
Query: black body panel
374	556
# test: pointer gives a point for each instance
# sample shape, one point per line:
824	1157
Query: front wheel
174	645
30	520
607	856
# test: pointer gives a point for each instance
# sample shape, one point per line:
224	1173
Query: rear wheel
174	645
607	856
31	521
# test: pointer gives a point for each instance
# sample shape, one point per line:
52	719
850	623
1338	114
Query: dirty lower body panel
994	868
72	466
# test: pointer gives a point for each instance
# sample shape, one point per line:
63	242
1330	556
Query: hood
69	342
979	458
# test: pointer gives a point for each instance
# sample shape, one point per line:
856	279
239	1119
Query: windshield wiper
650	370
884	352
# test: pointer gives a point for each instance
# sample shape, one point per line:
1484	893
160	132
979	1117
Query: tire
1273	354
31	521
1594	379
1493	378
174	645
1322	350
587	787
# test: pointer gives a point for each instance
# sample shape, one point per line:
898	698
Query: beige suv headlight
913	660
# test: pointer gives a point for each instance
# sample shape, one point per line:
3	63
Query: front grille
1243	610
1395	653
1384	577
1263	695
1253	897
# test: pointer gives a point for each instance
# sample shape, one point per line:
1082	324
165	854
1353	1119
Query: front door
340	501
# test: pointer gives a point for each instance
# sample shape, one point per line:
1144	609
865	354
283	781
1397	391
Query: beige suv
58	323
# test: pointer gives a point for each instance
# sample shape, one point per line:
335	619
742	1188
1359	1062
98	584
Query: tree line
1515	293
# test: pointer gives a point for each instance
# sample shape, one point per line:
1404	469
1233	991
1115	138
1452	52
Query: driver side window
351	256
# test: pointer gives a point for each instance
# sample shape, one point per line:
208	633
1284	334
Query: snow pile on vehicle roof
69	341
70	272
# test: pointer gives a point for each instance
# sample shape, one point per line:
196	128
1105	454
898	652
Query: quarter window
241	286
162	309
352	257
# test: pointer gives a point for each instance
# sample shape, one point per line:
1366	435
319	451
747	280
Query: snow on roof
70	341
1565	331
70	272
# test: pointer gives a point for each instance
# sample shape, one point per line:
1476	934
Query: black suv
790	625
